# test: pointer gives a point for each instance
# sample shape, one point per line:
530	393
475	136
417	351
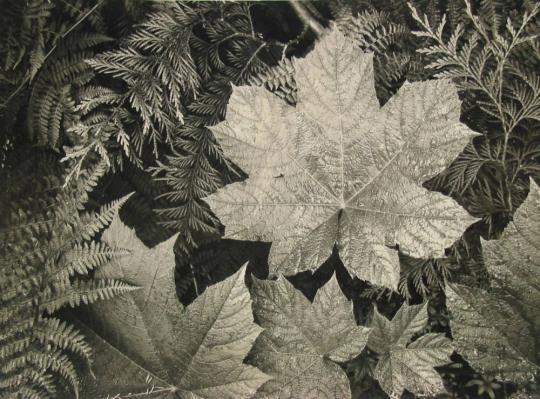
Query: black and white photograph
274	199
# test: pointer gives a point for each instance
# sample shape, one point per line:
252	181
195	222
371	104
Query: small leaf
302	340
411	366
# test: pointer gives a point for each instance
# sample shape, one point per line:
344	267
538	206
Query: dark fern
52	104
226	51
485	62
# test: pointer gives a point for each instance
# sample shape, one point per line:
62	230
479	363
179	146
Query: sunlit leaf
339	169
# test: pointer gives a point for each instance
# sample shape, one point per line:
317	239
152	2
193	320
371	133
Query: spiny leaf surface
339	169
197	352
403	365
302	340
498	332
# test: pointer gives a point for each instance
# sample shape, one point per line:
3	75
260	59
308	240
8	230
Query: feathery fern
153	76
279	80
47	243
226	52
38	35
24	41
102	128
157	69
52	96
488	65
378	30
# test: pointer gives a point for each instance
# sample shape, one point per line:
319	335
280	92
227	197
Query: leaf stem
195	285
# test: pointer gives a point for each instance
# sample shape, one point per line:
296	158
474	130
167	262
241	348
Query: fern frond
93	222
279	80
156	65
39	385
475	157
57	362
486	62
389	39
478	61
22	35
88	256
75	192
38	270
422	275
226	52
62	336
13	347
51	101
86	292
374	31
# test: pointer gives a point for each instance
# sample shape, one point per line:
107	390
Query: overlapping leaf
197	351
339	169
302	340
403	365
498	332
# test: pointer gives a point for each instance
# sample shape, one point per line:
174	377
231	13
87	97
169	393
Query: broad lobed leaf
302	340
339	169
498	331
403	365
197	351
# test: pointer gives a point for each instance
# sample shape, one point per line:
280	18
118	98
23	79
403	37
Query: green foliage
46	248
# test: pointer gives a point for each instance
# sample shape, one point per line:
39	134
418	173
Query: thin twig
306	17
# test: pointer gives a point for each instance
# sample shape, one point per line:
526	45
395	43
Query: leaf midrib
187	367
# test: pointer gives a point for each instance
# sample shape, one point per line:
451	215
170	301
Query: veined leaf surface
403	365
498	332
195	352
302	340
339	169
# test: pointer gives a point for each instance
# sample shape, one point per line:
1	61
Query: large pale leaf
403	365
337	168
302	340
197	351
498	332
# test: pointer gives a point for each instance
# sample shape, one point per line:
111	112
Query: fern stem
508	128
248	63
150	391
